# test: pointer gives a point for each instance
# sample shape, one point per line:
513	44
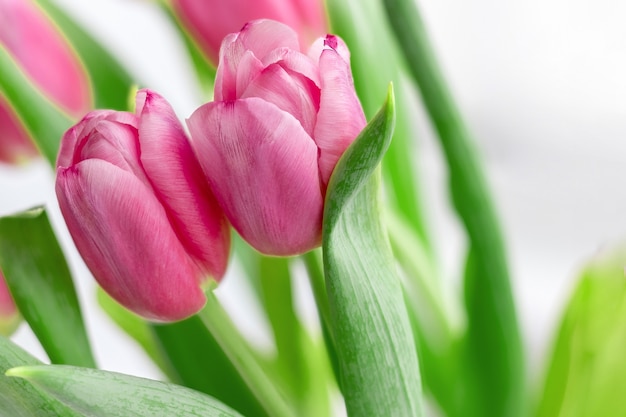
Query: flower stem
240	353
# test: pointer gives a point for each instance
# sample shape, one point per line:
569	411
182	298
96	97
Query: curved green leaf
95	393
378	364
42	287
45	122
18	398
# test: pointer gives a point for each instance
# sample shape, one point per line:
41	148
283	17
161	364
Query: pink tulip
47	59
209	21
136	203
9	316
270	141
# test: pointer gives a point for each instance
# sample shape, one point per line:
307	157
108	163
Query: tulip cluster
46	58
147	207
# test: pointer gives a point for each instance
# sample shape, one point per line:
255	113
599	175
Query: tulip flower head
48	60
9	316
269	142
209	21
137	206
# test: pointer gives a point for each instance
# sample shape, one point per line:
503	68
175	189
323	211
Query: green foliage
377	361
40	282
586	374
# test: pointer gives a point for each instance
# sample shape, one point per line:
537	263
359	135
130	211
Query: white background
542	87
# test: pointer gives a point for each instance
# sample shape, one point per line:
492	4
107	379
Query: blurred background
541	85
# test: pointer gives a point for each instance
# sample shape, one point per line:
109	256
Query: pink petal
290	92
242	53
15	144
264	35
179	183
82	129
44	54
340	118
125	238
262	167
7	306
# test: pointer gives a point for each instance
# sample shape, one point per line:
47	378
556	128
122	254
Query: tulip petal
264	35
83	128
179	183
15	145
124	236
262	167
43	53
291	92
340	118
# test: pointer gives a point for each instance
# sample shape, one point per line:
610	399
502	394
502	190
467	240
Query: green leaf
96	393
199	362
45	122
18	398
495	382
42	287
586	373
378	363
110	82
361	24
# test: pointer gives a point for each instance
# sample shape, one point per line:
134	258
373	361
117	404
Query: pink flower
209	21
9	316
141	215
270	141
47	59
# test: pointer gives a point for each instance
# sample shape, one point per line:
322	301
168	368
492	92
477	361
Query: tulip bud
137	206
9	316
48	60
270	141
209	21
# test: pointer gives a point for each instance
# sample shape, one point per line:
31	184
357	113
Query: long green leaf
378	364
45	122
586	373
362	25
41	284
18	398
494	349
110	82
95	393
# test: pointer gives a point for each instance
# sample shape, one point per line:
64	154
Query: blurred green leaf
378	364
199	362
42	287
18	398
95	393
361	24
134	326
110	82
495	382
586	374
45	122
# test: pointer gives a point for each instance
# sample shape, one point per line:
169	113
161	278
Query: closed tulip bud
137	206
269	142
9	316
209	21
47	59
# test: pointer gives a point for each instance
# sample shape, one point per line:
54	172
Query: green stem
236	348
